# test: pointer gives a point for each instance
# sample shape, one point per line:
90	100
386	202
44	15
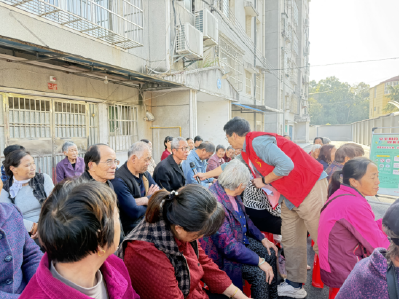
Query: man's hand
201	176
267	244
258	183
153	188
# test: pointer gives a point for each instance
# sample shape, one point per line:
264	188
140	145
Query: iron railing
116	22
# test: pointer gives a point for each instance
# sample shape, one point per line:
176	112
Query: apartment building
117	71
288	49
378	97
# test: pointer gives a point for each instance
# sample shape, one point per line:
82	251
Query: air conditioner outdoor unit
189	42
207	23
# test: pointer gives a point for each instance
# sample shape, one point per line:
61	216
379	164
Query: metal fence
117	22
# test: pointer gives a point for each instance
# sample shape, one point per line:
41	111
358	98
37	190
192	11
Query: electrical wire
341	63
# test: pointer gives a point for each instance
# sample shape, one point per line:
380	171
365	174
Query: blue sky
354	30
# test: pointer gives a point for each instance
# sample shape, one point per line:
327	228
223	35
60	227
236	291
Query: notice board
385	154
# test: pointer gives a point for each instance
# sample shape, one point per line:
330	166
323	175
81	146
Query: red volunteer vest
306	172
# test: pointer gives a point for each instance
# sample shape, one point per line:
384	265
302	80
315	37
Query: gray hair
325	140
176	141
230	148
137	149
210	148
234	174
66	146
220	147
315	147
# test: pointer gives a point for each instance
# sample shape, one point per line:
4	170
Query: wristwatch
263	180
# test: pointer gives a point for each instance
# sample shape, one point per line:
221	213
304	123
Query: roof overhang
26	53
256	109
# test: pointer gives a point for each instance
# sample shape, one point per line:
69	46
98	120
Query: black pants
260	288
265	221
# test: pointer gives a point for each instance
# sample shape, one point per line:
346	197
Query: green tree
393	97
335	102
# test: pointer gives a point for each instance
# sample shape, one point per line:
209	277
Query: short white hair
176	141
234	174
315	147
137	149
66	146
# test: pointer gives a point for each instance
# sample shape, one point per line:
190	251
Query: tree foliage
335	102
393	97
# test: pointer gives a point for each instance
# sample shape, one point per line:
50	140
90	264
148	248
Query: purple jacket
368	278
347	233
214	162
19	254
226	247
44	286
64	169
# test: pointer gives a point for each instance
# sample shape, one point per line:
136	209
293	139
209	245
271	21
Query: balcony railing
116	22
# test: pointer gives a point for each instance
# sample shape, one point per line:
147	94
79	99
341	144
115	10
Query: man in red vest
301	181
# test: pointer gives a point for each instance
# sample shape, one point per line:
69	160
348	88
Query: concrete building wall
211	117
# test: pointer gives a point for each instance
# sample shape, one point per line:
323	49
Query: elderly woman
326	155
377	277
72	165
238	247
20	254
79	228
347	230
217	159
162	254
315	150
25	188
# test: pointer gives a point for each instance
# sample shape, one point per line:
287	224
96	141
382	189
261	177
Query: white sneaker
285	289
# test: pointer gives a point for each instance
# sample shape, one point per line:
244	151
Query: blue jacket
19	254
226	247
201	166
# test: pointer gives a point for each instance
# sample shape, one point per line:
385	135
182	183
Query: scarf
16	186
36	183
161	236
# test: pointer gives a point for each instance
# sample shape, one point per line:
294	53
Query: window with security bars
29	118
122	125
69	119
260	88
231	62
249	82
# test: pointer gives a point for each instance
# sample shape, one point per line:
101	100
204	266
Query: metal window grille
295	44
123	129
231	62
295	12
117	22
69	119
93	124
29	118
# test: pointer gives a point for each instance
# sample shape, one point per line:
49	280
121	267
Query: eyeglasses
110	162
184	149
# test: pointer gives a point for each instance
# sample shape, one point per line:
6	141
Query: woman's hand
268	244
33	231
269	273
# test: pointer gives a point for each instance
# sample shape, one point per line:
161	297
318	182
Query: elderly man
217	159
100	164
190	143
169	174
229	154
299	179
199	158
134	186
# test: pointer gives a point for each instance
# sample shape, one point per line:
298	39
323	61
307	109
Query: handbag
256	198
